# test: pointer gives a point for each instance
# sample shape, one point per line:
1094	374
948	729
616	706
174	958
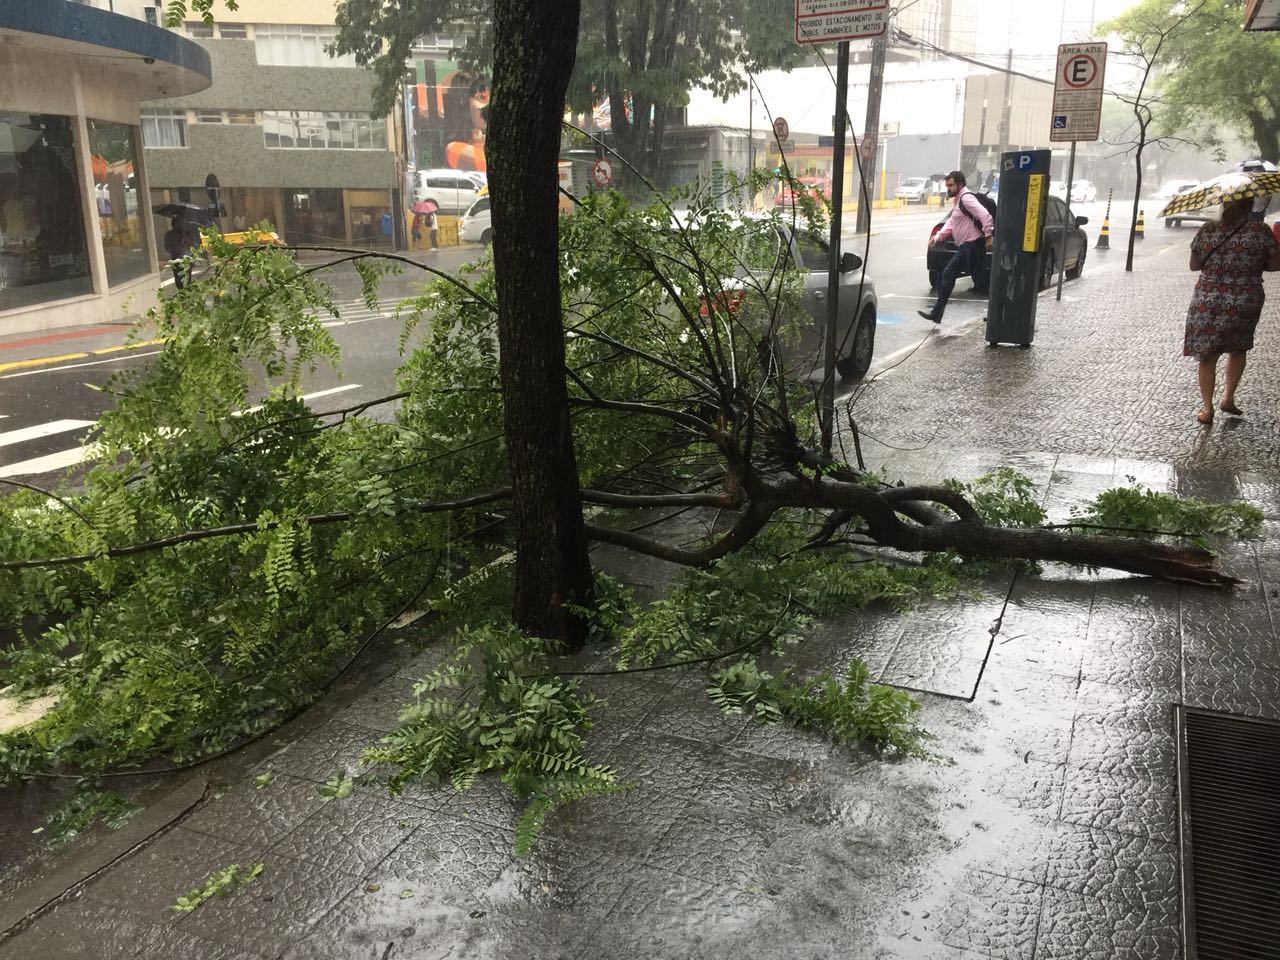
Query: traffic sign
781	129
867	149
602	172
1077	92
889	129
822	21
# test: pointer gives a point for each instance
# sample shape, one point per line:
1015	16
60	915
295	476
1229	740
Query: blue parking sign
1060	121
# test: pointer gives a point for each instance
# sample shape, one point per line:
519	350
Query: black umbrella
187	211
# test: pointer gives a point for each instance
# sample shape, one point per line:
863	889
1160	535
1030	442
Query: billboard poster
448	116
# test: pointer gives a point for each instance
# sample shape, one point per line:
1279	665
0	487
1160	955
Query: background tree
644	56
1222	80
1146	33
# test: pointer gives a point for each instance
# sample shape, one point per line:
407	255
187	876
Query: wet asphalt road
48	411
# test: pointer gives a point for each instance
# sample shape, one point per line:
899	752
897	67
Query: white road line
75	366
42	430
54	461
307	396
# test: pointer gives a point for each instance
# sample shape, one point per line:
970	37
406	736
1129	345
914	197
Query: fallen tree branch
209	533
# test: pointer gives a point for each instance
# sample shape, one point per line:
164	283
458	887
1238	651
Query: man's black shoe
928	315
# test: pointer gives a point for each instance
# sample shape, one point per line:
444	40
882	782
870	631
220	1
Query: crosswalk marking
42	430
306	396
65	459
48	464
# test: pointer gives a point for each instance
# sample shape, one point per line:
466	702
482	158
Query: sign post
1077	112
822	21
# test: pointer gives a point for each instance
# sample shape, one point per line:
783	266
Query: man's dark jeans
969	258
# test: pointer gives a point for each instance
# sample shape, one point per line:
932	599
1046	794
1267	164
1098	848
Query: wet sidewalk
1045	829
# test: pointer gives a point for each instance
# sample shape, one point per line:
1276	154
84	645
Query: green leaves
1137	511
220	883
1003	498
337	787
507	714
850	712
79	811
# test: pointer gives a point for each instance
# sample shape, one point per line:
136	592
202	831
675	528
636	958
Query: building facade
284	127
77	240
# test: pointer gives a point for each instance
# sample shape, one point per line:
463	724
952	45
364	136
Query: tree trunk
1137	199
534	45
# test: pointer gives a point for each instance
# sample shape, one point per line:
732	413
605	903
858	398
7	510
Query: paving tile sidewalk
1046	828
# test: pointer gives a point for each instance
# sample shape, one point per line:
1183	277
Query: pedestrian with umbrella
424	212
1231	254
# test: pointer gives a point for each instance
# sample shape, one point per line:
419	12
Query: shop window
44	254
164	128
114	158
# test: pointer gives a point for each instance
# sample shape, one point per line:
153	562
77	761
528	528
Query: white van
452	190
476	225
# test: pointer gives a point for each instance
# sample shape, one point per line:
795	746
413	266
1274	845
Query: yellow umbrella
1224	189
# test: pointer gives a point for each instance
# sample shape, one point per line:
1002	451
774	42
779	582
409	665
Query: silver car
856	311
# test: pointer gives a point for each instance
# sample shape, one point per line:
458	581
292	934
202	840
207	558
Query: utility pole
875	90
1008	105
826	413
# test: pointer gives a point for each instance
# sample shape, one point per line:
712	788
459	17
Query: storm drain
1229	805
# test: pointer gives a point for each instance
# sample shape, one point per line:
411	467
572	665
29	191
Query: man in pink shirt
970	225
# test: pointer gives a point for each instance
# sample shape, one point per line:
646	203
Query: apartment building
284	127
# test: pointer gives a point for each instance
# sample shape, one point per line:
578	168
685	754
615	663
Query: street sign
889	129
781	129
822	21
867	149
602	172
1077	92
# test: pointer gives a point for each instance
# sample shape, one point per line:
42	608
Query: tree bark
534	46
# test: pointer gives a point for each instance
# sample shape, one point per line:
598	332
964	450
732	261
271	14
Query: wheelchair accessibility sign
1060	121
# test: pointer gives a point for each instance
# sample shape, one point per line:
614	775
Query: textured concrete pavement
1045	829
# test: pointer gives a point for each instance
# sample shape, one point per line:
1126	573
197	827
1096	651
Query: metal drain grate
1229	829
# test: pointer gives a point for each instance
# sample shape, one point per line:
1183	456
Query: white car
1082	191
476	225
451	190
1058	188
915	190
1172	188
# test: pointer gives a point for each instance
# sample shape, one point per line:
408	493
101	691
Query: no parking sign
1077	92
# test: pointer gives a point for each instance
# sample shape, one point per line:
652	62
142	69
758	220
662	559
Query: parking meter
1017	247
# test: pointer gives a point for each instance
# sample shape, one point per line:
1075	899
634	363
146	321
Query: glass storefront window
43	250
113	154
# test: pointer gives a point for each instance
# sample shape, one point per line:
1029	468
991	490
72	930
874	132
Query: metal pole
1006	111
1071	172
875	90
827	413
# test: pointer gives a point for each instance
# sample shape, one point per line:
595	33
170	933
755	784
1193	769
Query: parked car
937	255
452	190
855	316
1058	188
476	225
915	190
1191	216
1082	191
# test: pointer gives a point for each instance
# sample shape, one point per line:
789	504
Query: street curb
112	847
79	355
